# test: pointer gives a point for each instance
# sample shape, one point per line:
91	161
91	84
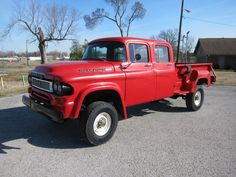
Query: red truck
113	74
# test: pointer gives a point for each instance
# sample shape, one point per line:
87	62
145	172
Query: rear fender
198	77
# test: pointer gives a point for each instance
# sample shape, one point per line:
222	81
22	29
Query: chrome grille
42	84
37	74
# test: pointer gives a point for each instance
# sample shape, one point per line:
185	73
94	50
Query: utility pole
186	43
180	28
182	58
27	58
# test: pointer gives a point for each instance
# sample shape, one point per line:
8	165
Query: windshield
107	51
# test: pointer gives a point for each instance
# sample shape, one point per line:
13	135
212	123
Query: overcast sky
209	18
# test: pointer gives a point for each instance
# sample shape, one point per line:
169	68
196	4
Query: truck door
165	72
140	77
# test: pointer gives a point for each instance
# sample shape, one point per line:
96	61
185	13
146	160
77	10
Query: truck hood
64	70
75	67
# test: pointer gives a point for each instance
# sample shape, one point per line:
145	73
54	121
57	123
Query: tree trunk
42	52
121	32
42	46
127	34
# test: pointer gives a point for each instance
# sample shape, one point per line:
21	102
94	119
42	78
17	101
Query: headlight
59	88
62	89
29	79
55	87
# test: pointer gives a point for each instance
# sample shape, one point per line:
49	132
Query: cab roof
126	39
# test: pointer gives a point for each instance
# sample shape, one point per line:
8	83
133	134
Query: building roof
217	46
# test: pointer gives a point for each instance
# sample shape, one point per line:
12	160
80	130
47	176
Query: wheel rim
102	124
197	98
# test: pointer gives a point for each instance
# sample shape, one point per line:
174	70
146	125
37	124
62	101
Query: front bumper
51	114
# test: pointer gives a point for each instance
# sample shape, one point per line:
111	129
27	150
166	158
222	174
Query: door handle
148	65
169	64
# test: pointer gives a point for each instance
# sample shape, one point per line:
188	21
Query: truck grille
42	84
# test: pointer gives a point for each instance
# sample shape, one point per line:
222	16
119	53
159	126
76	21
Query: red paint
138	83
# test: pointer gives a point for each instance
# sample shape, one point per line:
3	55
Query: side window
140	49
162	54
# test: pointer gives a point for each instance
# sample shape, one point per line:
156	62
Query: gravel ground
159	139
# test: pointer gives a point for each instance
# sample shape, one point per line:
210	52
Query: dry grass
13	88
225	78
19	65
13	81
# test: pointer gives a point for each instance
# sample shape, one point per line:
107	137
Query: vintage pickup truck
113	74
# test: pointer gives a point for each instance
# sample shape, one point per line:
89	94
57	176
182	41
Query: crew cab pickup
113	74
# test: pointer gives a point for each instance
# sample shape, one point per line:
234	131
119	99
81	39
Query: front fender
93	88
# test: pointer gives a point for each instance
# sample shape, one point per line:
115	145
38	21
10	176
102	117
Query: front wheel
194	100
99	122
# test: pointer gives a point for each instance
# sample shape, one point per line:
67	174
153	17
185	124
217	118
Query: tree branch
28	26
109	18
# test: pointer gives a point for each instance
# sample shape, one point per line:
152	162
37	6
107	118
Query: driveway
159	139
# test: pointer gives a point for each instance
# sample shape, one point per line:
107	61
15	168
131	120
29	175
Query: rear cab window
162	54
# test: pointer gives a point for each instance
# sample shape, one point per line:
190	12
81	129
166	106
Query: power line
212	22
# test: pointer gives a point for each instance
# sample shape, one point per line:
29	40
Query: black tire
101	111
195	100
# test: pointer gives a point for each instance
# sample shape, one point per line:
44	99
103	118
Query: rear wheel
99	122
194	100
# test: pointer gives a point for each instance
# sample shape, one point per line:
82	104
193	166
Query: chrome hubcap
197	98
102	124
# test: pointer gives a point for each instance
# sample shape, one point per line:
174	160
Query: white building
34	58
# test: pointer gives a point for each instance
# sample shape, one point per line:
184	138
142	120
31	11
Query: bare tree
46	23
189	44
170	35
120	9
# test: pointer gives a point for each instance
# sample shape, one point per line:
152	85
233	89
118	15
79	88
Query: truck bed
189	75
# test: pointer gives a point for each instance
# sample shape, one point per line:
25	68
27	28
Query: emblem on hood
93	70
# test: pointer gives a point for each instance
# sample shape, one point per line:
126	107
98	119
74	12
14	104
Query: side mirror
126	65
138	57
